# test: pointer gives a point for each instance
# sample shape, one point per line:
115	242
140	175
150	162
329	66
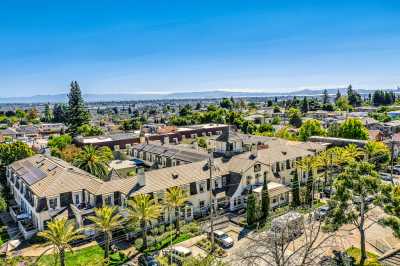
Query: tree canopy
310	128
77	114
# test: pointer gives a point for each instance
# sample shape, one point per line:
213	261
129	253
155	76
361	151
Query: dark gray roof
172	152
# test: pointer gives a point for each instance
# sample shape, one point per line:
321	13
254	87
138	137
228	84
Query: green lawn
372	258
86	256
167	242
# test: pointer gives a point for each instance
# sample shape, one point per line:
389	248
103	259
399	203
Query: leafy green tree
285	134
212	108
175	198
391	205
226	103
294	117
343	103
142	209
310	128
60	142
265	128
276	109
353	128
60	233
78	114
11	152
93	160
186	110
251	212
87	130
276	120
349	204
265	200
32	114
106	220
20	114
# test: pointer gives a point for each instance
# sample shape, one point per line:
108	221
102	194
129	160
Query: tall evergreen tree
59	113
338	95
353	97
325	97
48	116
295	190
304	105
309	189
251	212
78	114
265	200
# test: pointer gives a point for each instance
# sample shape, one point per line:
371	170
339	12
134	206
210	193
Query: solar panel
33	174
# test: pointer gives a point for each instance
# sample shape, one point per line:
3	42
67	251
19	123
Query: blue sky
168	46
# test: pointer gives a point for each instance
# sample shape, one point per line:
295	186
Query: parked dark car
321	212
148	260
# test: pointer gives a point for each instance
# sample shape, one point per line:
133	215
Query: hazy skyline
175	46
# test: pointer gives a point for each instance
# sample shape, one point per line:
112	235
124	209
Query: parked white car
223	239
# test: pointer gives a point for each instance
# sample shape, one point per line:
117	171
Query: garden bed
205	244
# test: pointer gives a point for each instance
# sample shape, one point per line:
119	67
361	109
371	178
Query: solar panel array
31	174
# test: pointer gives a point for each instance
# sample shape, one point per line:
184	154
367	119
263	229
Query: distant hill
177	95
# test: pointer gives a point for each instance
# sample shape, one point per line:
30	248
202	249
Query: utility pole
210	166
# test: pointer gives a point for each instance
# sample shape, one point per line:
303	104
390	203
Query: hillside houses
46	187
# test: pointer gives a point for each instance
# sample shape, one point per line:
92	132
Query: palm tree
307	165
93	160
377	153
175	198
324	161
353	152
106	220
60	233
340	157
143	209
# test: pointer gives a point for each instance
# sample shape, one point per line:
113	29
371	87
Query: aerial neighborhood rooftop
199	133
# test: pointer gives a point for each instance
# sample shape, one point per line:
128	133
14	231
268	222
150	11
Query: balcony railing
17	214
27	228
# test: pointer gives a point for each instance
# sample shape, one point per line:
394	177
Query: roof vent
175	176
284	152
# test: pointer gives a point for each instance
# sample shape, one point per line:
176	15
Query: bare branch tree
284	247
